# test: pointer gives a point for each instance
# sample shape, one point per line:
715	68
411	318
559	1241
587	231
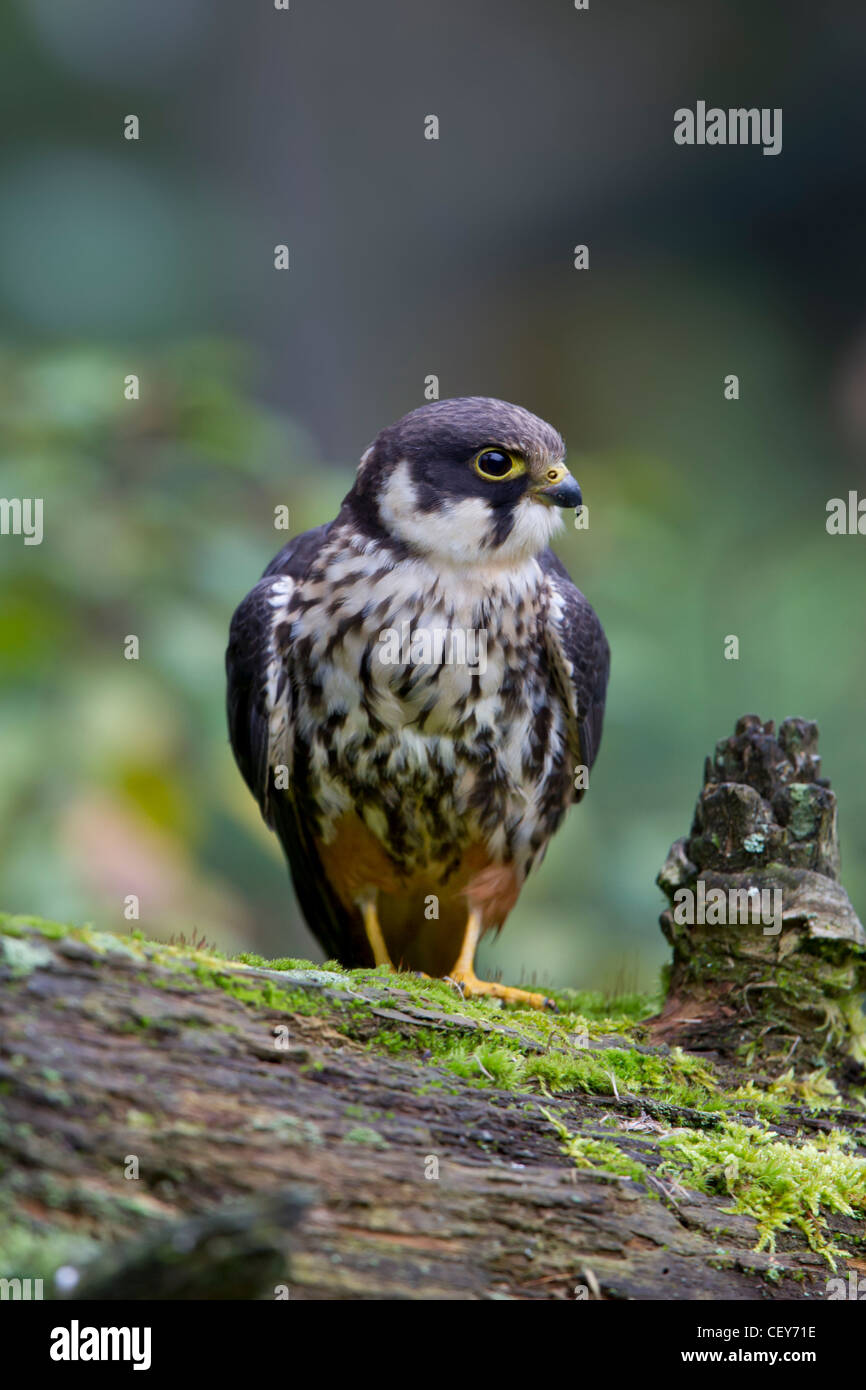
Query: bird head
466	481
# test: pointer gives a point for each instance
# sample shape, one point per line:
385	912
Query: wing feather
262	731
579	657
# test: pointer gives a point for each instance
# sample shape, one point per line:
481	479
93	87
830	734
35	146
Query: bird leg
463	973
374	934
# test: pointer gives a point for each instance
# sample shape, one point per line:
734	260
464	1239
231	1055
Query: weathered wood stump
786	982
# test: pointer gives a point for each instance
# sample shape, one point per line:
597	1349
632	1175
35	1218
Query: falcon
416	691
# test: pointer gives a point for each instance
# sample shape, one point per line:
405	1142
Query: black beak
565	493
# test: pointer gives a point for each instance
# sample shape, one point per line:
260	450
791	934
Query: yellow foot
471	987
374	935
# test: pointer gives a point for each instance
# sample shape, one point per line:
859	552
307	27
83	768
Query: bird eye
498	464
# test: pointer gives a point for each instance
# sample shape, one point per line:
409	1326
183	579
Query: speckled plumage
416	780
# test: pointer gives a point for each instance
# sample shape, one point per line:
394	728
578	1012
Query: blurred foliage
116	774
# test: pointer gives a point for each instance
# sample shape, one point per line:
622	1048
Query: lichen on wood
790	990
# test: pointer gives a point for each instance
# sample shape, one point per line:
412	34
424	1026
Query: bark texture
789	989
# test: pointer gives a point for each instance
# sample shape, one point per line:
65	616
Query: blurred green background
410	257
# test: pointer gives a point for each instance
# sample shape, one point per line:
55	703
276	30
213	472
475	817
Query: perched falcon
414	688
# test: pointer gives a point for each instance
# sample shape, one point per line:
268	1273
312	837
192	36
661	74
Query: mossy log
177	1125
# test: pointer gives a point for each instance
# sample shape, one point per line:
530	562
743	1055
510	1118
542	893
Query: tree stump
786	984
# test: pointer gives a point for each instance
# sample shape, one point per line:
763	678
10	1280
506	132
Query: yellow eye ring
497	465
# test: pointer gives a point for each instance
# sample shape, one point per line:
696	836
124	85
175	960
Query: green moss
619	1010
527	1064
291	1129
779	1183
17	926
816	1091
598	1154
363	1134
140	1119
21	956
283	963
554	1053
262	994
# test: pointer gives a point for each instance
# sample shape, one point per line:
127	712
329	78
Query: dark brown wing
579	656
262	732
251	693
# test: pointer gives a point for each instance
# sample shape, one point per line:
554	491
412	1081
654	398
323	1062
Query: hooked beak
559	489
